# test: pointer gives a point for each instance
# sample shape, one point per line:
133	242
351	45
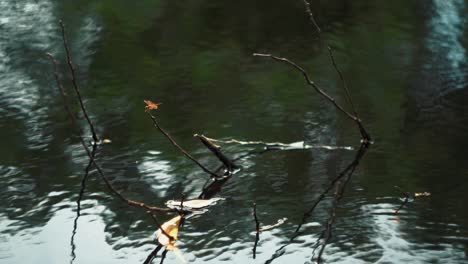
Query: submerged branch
257	230
152	255
344	174
91	154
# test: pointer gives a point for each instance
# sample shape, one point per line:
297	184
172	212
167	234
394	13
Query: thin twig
346	172
91	154
365	136
327	233
257	230
75	82
163	256
345	85
64	96
152	255
312	19
309	82
350	168
174	143
405	201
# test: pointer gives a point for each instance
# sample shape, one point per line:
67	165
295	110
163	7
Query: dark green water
405	62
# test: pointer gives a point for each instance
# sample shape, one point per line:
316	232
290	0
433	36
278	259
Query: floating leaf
150	105
170	228
193	204
422	194
269	227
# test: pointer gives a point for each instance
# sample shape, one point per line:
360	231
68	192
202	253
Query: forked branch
365	136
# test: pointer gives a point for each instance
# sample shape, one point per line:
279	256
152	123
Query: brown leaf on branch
150	105
170	228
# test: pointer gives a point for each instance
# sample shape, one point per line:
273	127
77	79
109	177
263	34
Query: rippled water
405	62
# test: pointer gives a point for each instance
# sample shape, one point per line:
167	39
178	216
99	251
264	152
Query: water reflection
196	58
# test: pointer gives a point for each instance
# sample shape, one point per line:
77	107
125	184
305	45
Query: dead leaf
422	194
269	227
171	228
193	204
150	105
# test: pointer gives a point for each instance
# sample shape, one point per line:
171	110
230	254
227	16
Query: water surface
406	65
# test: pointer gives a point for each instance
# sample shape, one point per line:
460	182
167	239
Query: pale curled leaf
270	227
193	204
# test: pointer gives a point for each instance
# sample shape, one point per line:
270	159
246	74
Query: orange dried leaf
150	105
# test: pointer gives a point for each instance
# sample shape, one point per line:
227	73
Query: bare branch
89	153
365	136
152	255
345	86
75	82
309	82
311	17
174	143
217	151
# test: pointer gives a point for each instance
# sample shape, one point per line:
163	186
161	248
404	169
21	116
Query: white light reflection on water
26	27
447	30
50	244
29	29
397	246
